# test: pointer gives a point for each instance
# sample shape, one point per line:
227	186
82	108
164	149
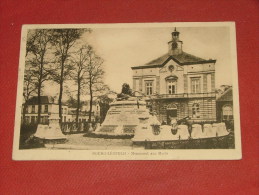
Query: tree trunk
91	103
24	111
39	88
78	101
61	91
39	103
60	101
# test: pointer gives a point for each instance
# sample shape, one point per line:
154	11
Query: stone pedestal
123	117
51	131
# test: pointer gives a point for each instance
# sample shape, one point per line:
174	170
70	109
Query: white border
176	154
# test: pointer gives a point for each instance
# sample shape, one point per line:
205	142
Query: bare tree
63	41
94	79
38	44
80	61
29	84
29	88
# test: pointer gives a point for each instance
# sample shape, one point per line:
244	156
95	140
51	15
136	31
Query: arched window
227	112
196	110
171	107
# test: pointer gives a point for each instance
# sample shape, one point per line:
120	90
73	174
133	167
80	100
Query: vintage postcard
142	91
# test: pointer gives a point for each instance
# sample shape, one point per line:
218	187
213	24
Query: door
172	113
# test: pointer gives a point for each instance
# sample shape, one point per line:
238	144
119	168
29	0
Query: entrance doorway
171	113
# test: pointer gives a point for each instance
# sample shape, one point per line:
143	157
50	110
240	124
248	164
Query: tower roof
176	54
175	34
175	31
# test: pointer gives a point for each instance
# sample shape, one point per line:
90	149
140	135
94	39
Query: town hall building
178	84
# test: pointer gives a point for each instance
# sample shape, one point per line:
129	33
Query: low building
83	115
49	106
95	109
31	109
225	105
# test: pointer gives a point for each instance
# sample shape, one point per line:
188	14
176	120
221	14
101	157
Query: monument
51	132
123	117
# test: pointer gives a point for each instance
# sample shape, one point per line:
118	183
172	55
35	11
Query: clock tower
175	45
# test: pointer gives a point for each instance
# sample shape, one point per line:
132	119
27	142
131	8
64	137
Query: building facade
49	106
224	104
178	84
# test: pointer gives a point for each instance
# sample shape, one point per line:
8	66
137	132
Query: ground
79	141
82	142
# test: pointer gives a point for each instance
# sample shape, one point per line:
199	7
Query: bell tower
175	45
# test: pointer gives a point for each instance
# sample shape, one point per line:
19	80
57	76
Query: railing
224	142
184	95
73	127
66	127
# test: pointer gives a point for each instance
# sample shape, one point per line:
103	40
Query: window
64	110
209	82
137	85
46	120
196	111
26	109
42	119
149	87
195	85
227	112
46	109
171	87
33	119
27	119
33	109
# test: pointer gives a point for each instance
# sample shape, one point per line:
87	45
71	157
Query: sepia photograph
143	91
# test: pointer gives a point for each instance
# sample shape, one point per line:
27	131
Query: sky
122	48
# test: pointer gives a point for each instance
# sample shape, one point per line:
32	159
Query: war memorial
172	105
130	119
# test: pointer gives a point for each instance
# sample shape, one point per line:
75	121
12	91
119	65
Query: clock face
174	45
171	68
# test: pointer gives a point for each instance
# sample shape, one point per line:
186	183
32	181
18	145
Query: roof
226	96
182	59
44	100
158	61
